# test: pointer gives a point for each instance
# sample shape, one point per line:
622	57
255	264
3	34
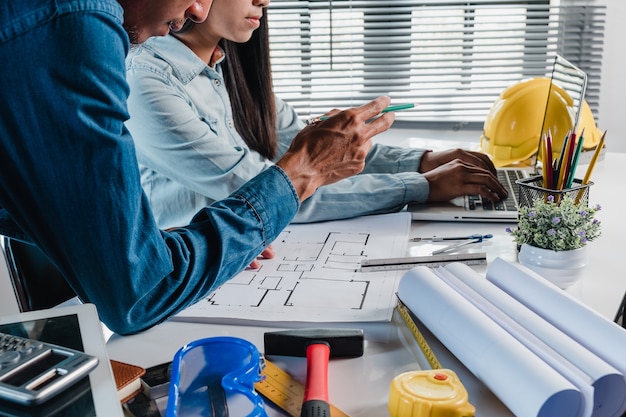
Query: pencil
570	155
594	160
397	107
556	166
562	165
548	161
572	171
592	165
544	168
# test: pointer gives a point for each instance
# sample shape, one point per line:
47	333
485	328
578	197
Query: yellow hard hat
587	123
513	126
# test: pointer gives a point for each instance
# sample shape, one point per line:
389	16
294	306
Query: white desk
360	386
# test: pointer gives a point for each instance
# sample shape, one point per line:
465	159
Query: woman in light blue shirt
205	121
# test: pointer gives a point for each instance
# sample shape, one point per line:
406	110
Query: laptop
476	209
473	208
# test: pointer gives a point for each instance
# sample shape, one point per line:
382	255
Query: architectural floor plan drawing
315	276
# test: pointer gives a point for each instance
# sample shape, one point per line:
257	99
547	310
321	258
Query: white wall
611	116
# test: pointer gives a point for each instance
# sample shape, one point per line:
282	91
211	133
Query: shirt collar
217	57
185	64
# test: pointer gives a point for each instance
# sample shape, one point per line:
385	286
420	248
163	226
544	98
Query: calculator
32	371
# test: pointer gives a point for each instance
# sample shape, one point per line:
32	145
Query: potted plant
552	236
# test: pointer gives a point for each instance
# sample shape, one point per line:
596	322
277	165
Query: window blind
453	58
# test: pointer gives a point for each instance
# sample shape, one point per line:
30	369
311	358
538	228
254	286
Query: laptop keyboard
507	178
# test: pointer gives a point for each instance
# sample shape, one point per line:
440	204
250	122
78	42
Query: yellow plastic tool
436	392
431	393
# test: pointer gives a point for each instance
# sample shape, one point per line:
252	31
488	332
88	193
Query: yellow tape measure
429	393
418	336
286	392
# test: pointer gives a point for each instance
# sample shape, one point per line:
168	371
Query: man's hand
432	160
334	149
459	177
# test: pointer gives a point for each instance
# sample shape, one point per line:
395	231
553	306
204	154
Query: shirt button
230	123
217	83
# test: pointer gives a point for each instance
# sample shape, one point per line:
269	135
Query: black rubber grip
315	408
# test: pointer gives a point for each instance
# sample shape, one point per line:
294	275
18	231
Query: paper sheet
315	275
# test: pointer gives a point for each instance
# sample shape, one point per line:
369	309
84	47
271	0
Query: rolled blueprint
588	327
527	385
601	383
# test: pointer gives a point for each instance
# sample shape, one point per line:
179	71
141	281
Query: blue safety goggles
215	377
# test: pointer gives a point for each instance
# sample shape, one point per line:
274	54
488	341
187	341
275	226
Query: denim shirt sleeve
69	179
388	183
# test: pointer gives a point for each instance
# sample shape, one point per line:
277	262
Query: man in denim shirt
69	181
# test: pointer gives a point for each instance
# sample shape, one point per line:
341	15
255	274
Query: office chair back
37	283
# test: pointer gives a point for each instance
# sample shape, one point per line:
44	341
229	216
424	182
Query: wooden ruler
286	392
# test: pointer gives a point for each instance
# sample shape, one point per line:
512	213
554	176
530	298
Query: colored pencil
572	172
592	165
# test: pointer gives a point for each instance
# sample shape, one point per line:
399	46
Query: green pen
397	107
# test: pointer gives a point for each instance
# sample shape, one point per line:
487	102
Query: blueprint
315	275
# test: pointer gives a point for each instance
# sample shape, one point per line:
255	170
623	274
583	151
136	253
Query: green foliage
557	226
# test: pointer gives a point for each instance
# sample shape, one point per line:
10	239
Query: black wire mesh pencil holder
530	189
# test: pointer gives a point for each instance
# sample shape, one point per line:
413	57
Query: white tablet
75	327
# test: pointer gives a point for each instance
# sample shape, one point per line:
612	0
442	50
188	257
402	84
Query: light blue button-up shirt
190	154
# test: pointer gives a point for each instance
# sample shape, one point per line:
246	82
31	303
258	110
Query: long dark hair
248	77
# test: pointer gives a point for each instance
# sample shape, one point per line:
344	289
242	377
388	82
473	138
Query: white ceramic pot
562	268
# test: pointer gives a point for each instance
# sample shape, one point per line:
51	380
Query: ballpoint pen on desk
441	238
454	247
397	107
